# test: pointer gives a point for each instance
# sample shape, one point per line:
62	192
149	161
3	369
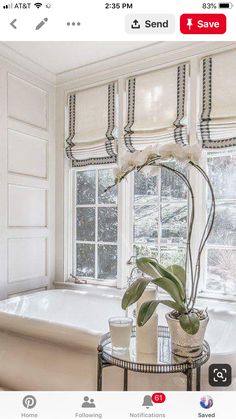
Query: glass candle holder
120	330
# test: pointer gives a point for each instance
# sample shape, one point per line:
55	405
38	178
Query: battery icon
225	5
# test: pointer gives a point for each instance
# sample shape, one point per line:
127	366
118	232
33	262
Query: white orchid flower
193	153
151	170
130	161
116	172
141	157
156	150
127	161
169	151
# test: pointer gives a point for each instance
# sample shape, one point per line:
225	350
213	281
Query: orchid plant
173	278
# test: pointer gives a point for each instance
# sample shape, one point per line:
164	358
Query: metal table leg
99	368
198	379
189	374
125	386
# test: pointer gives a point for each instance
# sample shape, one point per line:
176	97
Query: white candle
147	335
120	330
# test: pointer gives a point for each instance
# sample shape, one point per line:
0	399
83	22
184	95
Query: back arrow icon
12	23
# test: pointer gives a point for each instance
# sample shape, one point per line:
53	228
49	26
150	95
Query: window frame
89	280
203	290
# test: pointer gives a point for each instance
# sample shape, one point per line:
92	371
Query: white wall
27	179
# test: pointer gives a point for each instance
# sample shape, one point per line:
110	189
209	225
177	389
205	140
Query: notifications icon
147	402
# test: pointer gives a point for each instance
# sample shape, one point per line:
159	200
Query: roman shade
217	127
92	126
157	107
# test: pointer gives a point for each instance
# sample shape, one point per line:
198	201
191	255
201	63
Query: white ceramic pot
183	344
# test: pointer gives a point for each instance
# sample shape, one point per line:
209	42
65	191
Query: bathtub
48	341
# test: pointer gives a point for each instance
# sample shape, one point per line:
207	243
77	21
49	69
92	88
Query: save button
203	24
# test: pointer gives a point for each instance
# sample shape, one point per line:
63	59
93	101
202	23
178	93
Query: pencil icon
39	26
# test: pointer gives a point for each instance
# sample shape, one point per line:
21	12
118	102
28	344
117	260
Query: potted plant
187	324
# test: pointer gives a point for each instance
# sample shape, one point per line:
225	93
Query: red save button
203	24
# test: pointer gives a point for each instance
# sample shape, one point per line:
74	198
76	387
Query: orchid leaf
152	268
190	323
134	292
179	272
148	308
148	266
171	288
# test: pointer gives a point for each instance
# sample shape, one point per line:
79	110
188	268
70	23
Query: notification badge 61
158	398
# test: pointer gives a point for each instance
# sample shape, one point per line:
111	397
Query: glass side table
162	363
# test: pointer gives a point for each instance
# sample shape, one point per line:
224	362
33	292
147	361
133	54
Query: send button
150	24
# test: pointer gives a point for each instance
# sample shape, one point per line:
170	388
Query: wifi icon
38	5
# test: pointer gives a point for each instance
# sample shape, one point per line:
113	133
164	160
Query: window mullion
124	205
195	179
96	227
74	225
159	235
124	239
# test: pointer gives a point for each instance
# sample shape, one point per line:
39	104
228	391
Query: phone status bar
99	20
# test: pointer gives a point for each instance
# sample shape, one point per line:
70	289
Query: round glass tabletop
164	361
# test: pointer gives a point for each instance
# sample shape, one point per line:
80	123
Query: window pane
221	271
173	223
86	187
86	260
222	172
172	256
172	187
141	250
145	189
105	179
224	230
146	224
107	224
107	262
85	224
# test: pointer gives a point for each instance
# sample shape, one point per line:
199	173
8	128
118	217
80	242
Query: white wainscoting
27	154
27	258
27	206
27	180
27	102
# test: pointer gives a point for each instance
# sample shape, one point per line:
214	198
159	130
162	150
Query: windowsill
94	288
220	297
203	300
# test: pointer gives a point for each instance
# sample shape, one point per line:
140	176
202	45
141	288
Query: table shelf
164	362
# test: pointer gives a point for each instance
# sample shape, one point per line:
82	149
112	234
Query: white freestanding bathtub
48	341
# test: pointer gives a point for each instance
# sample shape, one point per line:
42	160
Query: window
160	217
160	220
158	227
95	250
221	247
150	216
